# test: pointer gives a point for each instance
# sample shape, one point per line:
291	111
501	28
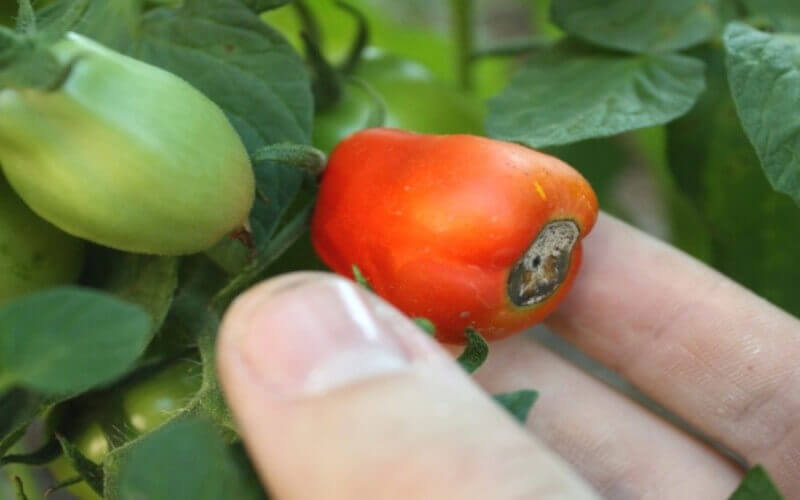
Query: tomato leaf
748	221
764	75
475	353
145	280
639	26
67	340
783	14
517	403
201	466
572	92
18	408
263	5
279	185
757	485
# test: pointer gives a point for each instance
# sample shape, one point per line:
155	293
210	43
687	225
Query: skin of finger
624	450
426	432
703	346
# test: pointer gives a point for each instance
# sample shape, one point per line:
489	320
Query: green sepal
359	277
757	485
89	471
517	403
426	326
476	351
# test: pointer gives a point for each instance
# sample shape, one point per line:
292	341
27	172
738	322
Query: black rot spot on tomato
545	265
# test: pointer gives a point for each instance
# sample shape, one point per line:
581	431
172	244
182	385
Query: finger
713	352
625	451
337	395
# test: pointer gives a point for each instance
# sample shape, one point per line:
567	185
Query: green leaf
145	280
278	185
764	75
783	14
224	50
756	485
638	26
517	403
199	463
18	408
750	223
31	67
475	353
571	93
67	340
189	315
263	5
26	17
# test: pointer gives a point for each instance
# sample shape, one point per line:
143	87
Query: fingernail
319	335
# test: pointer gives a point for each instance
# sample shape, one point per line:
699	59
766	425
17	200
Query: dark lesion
544	266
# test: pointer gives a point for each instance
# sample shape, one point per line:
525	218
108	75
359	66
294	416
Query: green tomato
34	254
154	400
354	111
413	99
144	404
125	154
418	102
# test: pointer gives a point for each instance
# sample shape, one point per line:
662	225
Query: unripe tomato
462	230
416	100
125	154
350	113
144	405
34	254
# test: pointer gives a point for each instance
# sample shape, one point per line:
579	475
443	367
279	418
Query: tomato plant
136	408
162	156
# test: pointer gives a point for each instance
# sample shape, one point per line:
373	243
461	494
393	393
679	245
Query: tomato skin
437	223
145	404
33	253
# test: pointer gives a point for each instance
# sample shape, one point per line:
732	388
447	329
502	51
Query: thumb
339	396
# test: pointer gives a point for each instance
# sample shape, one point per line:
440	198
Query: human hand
337	395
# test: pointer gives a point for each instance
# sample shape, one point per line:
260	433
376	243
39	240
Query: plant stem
462	17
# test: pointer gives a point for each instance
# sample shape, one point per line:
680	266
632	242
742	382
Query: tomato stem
462	17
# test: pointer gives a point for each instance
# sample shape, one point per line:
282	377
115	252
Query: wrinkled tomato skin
436	223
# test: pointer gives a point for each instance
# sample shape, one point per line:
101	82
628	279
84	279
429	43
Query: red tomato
462	230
